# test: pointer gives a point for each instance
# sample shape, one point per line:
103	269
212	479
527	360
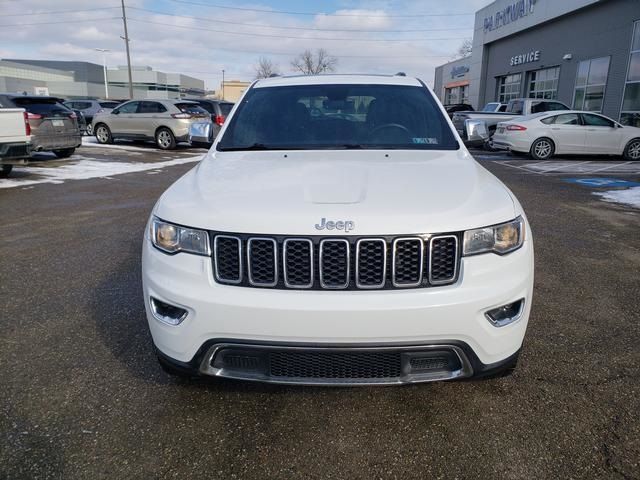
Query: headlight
172	238
499	239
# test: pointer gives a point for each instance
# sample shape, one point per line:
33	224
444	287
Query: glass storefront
509	87
630	114
591	81
456	95
544	83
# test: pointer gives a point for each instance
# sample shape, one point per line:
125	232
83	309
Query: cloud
203	46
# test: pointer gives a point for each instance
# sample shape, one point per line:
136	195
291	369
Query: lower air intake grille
347	365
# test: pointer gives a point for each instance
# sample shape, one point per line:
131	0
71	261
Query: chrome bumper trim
465	370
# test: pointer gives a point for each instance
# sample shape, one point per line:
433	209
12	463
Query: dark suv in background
218	109
54	127
90	107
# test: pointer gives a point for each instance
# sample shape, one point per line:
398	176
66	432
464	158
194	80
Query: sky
202	37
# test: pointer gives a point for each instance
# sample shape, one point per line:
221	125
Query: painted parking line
572	167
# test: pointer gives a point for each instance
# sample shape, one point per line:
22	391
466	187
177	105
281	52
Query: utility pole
223	84
104	66
126	42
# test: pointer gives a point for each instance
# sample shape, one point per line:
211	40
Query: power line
296	38
211	5
55	13
216	20
57	23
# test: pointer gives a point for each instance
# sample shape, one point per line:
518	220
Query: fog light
167	313
505	314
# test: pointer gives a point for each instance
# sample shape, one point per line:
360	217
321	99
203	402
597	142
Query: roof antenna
401	74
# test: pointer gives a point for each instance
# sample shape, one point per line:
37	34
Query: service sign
527	57
459	71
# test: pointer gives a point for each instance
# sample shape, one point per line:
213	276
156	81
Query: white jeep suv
338	232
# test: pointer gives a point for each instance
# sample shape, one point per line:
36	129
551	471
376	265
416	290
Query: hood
381	192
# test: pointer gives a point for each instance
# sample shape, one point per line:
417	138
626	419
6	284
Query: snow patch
87	168
629	196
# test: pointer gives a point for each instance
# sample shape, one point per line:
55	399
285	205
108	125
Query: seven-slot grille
322	263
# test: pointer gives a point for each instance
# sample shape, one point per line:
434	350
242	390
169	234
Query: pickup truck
15	138
477	128
494	107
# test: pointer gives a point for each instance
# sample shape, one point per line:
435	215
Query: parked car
494	107
476	128
90	107
54	127
327	249
82	122
15	138
219	110
167	122
571	132
458	107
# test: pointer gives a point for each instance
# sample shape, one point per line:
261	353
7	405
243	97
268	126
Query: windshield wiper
254	146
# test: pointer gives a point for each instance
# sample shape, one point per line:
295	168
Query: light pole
223	84
104	66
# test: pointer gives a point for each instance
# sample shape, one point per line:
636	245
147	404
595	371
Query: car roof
337	79
15	96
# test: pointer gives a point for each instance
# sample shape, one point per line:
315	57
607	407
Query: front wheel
64	153
632	150
89	129
6	170
165	139
542	149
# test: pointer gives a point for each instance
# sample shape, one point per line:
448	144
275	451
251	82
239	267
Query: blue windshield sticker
426	141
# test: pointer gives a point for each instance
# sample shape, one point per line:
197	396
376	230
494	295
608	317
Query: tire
542	149
165	139
632	150
103	134
64	153
6	171
89	129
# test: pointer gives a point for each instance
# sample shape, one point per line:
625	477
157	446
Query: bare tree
265	68
464	50
309	63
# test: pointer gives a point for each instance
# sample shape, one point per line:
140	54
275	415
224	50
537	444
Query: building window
631	102
456	95
544	83
509	87
591	81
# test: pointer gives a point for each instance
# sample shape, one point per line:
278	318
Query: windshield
338	116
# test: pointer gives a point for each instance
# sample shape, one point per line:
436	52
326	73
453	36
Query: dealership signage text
528	57
459	71
510	13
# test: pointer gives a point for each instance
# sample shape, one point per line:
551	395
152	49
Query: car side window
567	119
82	105
151	107
129	107
517	107
591	120
548	120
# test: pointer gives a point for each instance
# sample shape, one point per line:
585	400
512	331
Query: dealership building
584	53
70	79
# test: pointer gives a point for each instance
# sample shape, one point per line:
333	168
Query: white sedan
567	132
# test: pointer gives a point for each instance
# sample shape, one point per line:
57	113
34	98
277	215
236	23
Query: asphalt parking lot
81	394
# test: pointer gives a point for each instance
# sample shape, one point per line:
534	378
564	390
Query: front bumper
451	315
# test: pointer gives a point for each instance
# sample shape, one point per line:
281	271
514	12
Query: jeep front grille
327	263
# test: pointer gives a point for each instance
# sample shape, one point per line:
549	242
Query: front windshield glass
336	117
